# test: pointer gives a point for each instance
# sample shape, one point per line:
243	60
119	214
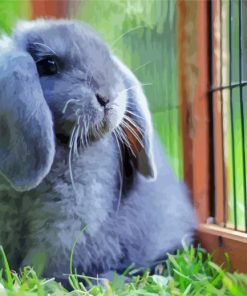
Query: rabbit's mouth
85	124
83	133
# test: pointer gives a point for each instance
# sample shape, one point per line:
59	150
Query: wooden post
192	47
49	8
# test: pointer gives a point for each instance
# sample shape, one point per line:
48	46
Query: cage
216	168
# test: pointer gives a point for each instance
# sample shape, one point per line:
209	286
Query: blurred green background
143	34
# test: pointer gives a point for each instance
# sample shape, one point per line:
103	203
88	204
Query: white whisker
75	142
125	138
72	136
141	66
118	133
85	134
71	172
146	83
91	78
44	45
124	34
131	121
120	172
132	87
132	131
71	148
81	146
134	114
67	104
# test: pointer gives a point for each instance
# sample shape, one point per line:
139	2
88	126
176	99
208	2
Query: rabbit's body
128	218
152	219
50	217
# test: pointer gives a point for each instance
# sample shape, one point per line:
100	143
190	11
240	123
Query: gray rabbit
77	149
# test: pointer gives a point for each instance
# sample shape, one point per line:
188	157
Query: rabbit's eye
47	66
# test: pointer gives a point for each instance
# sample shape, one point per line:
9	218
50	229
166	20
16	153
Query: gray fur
126	222
21	100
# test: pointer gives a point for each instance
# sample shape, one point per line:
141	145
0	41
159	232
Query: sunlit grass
189	272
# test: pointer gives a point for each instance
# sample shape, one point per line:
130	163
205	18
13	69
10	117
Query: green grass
189	272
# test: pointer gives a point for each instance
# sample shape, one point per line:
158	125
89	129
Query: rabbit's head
59	80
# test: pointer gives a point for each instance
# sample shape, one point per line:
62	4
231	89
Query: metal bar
223	203
212	157
232	120
242	109
232	85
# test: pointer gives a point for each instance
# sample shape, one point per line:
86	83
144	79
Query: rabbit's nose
103	101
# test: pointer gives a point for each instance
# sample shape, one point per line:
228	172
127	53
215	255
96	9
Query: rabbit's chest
60	206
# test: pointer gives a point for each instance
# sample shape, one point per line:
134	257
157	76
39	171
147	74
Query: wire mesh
227	96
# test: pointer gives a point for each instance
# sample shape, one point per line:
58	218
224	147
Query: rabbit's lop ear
138	124
27	144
